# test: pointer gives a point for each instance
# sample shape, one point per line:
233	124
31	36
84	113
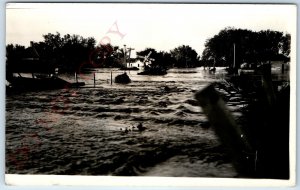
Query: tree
250	47
69	52
165	59
146	51
185	57
14	55
286	46
106	55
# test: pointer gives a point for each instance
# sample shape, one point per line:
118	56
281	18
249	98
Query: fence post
94	80
76	79
110	77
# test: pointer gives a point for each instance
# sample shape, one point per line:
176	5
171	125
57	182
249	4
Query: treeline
250	47
68	52
72	53
180	57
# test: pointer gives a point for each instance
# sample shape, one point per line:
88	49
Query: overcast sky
160	26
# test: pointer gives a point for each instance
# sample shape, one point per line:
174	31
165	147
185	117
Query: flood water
81	131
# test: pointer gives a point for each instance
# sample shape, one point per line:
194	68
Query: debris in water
141	127
122	78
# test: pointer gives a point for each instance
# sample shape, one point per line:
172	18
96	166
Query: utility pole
233	55
125	52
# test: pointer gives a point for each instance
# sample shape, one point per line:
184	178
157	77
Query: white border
42	180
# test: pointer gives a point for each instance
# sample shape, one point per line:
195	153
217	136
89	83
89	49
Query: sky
159	26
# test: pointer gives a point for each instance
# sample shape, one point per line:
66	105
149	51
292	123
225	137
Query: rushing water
81	131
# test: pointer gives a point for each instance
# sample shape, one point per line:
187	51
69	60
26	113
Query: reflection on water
82	131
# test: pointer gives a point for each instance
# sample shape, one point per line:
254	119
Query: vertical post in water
234	56
110	77
94	80
76	79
